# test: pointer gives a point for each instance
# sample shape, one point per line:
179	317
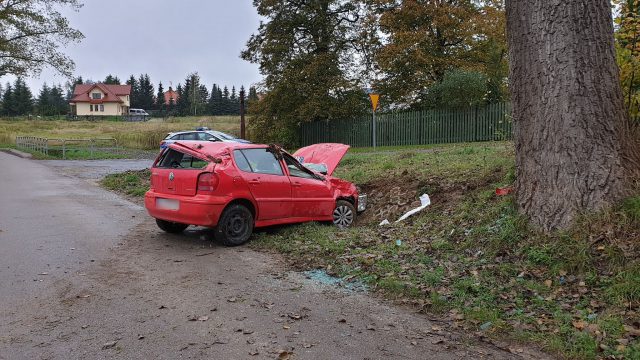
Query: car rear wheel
235	225
171	227
344	214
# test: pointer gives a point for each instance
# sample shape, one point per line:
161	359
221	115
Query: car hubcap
342	216
237	225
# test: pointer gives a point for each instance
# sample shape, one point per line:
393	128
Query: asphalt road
85	274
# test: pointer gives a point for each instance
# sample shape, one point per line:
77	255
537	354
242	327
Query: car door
267	182
312	195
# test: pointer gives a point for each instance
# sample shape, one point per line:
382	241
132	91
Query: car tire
235	225
344	214
171	227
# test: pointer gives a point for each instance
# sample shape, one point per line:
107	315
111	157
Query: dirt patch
391	197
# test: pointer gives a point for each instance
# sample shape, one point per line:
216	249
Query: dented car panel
195	183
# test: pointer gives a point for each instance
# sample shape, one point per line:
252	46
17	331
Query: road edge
17	153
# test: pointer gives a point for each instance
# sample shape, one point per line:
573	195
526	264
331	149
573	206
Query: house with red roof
100	100
170	97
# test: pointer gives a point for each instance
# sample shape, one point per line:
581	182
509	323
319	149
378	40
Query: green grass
471	252
131	183
134	135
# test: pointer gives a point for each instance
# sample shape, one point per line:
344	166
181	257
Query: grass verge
134	135
131	183
473	259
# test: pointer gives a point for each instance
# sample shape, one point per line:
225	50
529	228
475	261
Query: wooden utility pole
242	129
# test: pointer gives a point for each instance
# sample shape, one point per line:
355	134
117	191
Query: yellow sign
374	100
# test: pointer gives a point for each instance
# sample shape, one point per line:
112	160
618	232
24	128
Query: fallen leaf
632	331
285	355
579	324
548	283
108	345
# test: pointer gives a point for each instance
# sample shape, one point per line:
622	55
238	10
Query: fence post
64	149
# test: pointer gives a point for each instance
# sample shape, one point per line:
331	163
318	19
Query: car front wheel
344	214
235	225
171	227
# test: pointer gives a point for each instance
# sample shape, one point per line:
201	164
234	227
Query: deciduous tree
304	50
31	33
571	130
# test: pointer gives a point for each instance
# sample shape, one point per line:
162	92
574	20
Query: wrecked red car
236	187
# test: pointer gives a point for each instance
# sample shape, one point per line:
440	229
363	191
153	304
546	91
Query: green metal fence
482	123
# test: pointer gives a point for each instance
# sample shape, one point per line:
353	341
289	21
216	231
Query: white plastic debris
384	222
424	200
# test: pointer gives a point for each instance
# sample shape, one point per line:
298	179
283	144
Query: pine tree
22	100
215	101
160	105
182	105
253	94
7	100
226	101
135	91
145	92
58	102
112	80
203	100
43	103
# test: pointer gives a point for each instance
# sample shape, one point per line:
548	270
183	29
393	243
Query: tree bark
568	111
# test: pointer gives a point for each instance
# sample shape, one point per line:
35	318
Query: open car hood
328	154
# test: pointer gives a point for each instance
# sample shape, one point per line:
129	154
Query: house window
96	96
90	107
102	108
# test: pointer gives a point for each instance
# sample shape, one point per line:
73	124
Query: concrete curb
18	153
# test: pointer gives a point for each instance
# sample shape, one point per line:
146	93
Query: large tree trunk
569	118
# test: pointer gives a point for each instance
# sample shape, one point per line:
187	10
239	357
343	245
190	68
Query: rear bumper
201	210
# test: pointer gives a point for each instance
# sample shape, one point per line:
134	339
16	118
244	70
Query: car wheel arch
245	202
350	199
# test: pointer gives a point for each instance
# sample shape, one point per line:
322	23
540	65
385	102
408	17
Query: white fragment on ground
424	200
384	222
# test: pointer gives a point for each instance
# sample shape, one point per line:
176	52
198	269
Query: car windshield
222	135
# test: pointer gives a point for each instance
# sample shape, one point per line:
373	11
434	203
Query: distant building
170	97
100	100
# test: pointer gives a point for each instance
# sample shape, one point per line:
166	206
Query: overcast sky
165	39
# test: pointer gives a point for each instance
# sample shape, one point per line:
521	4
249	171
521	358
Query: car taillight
207	183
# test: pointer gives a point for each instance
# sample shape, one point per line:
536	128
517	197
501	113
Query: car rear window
241	161
177	160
